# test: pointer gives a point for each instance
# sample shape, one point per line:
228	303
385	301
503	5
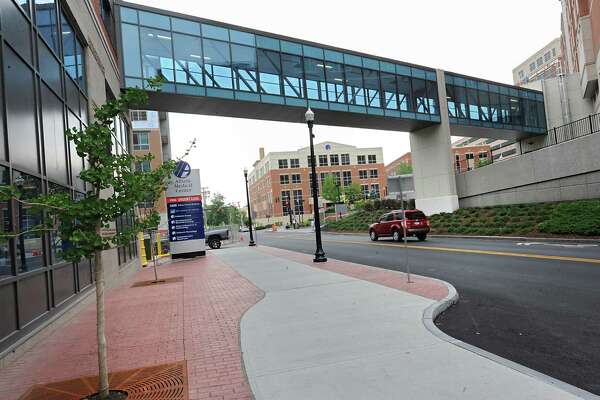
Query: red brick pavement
196	320
422	286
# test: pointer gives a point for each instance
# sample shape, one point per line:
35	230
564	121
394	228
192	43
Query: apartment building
279	183
545	63
150	132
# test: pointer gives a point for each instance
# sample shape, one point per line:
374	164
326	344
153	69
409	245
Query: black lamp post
319	253
251	243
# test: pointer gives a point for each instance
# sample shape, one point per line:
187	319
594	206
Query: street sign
184	212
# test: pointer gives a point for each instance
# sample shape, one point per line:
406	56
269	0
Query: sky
481	38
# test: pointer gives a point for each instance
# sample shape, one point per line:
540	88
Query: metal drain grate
161	382
158	282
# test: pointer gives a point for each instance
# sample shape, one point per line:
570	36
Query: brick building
281	177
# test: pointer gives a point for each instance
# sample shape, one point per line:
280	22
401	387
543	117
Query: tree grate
161	382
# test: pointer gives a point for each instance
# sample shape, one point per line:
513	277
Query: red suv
391	224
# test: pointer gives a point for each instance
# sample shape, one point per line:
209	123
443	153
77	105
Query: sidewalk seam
434	310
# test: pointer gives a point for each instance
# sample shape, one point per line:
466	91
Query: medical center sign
184	212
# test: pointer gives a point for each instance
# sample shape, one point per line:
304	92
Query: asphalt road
537	304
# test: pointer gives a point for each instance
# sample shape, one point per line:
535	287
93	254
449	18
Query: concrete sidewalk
318	334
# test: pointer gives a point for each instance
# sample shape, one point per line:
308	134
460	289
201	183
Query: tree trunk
103	389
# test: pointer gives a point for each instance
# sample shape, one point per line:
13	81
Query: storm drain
161	382
158	282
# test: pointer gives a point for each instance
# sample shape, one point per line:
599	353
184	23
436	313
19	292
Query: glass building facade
42	93
205	59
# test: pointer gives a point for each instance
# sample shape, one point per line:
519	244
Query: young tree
404	169
216	212
330	191
352	193
114	188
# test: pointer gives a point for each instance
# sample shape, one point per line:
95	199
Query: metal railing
560	134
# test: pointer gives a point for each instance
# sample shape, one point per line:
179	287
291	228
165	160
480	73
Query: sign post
184	212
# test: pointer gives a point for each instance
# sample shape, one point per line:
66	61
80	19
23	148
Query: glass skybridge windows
293	84
354	86
269	71
335	82
405	93
157	54
373	88
388	87
188	59
316	87
217	64
243	62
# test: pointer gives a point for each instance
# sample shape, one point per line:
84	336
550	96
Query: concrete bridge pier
433	172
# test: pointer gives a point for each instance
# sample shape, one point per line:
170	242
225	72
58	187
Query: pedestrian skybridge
219	69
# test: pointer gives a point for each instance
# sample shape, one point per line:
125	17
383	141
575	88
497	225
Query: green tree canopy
404	169
352	193
330	191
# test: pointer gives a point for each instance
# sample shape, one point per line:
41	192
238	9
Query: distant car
390	225
244	229
214	237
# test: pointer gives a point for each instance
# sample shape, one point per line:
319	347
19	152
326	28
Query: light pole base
319	258
251	243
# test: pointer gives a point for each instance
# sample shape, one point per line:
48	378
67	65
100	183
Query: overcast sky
482	38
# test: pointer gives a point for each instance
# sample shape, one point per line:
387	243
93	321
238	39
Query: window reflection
293	85
335	82
243	61
68	38
47	22
405	93
56	244
354	85
420	96
29	244
157	54
314	71
372	86
188	59
5	226
388	86
269	67
217	64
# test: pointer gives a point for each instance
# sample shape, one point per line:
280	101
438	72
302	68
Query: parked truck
215	237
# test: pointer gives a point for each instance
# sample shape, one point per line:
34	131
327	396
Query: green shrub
574	218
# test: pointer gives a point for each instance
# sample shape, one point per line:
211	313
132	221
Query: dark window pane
5	226
16	29
420	96
47	22
388	85
405	93
484	106
188	59
69	54
334	74
372	86
451	100
494	107
473	104
79	59
56	246
516	111
314	71
243	61
130	36
432	97
157	57
217	64
30	252
461	101
54	136
354	85
49	67
293	85
72	95
20	112
269	67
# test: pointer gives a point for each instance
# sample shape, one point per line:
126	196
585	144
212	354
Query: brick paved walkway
422	286
195	320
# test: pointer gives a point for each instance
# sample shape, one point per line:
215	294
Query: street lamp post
251	243
319	253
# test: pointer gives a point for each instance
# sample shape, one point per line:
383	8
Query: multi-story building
466	156
279	183
543	64
58	63
499	149
151	136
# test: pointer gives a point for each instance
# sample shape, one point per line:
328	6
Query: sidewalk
322	331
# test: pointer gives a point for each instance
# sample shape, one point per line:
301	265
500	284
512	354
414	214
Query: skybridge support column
433	172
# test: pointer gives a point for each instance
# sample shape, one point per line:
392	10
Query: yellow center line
468	251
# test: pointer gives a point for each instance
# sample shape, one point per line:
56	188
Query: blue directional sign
186	220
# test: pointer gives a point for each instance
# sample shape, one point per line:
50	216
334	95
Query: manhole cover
161	382
158	282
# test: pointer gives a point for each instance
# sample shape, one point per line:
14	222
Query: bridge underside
189	104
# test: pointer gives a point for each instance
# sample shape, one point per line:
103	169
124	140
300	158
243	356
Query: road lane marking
467	251
556	244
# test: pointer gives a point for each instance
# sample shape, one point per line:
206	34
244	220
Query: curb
557	239
434	310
